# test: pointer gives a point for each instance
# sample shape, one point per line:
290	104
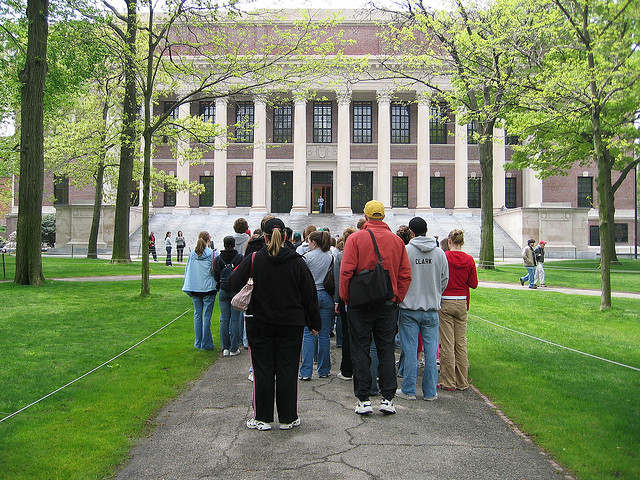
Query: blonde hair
275	241
202	243
456	237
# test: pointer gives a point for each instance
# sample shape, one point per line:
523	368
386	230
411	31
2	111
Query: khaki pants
454	362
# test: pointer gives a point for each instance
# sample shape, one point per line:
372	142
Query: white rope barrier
554	344
93	370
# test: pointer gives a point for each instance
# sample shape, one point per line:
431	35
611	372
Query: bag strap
375	245
253	255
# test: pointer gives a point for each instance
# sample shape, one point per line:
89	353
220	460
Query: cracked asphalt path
202	435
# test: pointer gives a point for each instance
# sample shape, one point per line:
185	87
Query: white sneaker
386	407
289	426
363	408
251	376
431	399
342	377
225	352
406	396
233	354
258	425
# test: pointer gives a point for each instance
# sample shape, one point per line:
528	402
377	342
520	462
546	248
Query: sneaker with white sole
289	426
225	352
233	354
343	377
363	408
258	425
406	396
431	399
251	376
386	407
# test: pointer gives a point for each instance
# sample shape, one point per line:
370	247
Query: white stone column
259	201
343	170
531	189
220	159
499	158
461	203
182	164
423	173
384	149
300	155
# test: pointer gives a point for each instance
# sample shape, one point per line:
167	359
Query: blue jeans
531	276
410	324
325	302
230	319
202	310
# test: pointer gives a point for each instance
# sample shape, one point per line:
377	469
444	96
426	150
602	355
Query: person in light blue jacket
200	285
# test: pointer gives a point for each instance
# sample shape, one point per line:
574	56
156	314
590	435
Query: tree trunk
602	185
486	202
146	187
32	78
121	253
611	211
92	250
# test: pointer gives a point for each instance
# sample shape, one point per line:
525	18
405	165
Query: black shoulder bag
370	288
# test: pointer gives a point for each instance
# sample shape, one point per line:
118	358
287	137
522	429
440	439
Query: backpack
226	272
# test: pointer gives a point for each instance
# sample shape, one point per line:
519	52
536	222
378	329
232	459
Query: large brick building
361	141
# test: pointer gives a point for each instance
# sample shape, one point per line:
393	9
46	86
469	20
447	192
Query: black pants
275	356
152	251
346	365
179	253
382	323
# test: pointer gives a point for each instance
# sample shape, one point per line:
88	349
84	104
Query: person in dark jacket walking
283	303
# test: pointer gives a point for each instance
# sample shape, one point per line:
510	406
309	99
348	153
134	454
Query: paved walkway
203	435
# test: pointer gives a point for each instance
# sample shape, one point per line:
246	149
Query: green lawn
49	336
572	273
64	267
581	409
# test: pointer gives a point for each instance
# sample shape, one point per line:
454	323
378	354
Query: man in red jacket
379	321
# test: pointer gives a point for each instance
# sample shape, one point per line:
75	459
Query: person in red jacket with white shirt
454	361
379	321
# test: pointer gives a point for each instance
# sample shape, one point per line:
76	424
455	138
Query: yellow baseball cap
374	209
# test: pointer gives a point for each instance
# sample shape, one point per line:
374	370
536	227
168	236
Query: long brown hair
322	239
203	242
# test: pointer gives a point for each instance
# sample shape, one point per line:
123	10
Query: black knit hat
418	226
271	224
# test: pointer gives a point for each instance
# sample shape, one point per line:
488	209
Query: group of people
168	245
534	263
299	289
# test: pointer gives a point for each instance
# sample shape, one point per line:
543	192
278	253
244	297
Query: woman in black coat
283	303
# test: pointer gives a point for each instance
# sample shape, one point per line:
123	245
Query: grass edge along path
87	429
581	410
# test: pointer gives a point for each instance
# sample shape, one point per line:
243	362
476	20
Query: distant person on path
319	259
230	319
167	246
180	244
418	312
283	303
529	258
152	246
200	285
539	252
241	237
321	204
454	361
359	255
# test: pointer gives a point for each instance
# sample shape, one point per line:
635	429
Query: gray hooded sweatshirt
241	242
429	274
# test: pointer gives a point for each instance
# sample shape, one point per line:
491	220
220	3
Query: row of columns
342	205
